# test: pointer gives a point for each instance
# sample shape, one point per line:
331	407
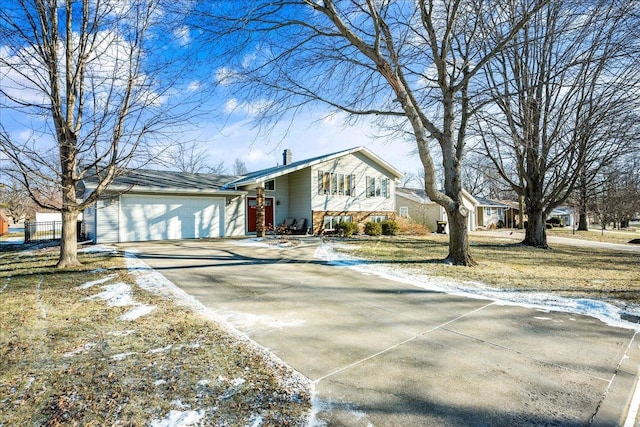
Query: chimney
286	157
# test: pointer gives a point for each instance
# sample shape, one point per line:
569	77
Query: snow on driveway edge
603	311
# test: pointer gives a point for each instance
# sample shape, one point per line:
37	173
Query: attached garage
143	205
155	217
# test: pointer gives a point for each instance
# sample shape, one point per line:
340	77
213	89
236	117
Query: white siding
299	200
360	166
147	217
89	222
281	194
235	216
107	219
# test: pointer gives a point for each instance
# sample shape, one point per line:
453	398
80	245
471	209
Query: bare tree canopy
564	96
86	86
408	64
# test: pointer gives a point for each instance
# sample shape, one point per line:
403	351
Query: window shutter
320	189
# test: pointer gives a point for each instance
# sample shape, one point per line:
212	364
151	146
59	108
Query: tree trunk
458	239
69	240
582	203
521	212
536	233
583	224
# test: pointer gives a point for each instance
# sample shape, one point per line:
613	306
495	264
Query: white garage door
169	217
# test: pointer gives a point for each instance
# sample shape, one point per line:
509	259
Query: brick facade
358	217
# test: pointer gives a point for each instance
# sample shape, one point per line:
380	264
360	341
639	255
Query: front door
252	204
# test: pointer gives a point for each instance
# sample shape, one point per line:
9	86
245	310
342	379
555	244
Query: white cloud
182	35
250	109
193	86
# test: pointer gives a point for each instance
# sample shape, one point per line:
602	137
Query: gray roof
490	203
415	194
273	172
167	180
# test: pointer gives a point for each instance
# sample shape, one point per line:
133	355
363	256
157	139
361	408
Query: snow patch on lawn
154	282
606	312
122	356
116	294
160	350
179	419
79	350
92	283
140	310
99	249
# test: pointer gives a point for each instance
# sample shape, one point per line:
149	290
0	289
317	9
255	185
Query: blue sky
229	133
309	136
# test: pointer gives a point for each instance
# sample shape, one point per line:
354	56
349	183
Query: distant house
4	223
416	205
350	185
565	214
491	213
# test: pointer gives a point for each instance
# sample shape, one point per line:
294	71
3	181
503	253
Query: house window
385	188
330	222
330	183
371	186
404	211
270	185
378	187
350	185
377	218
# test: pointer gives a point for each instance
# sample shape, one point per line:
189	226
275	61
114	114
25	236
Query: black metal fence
43	230
48	230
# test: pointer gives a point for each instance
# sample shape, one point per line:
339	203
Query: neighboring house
565	214
416	205
4	223
490	213
48	217
350	185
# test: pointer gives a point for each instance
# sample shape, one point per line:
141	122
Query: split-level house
314	194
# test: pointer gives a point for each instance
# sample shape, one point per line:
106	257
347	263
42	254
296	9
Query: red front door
252	204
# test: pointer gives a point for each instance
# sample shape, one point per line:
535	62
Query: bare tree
408	64
15	200
82	78
239	167
563	86
191	157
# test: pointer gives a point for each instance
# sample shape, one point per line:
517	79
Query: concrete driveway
384	353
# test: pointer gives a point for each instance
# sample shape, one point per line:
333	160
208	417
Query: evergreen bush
373	229
389	227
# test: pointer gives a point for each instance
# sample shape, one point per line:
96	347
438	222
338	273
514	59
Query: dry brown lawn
564	270
68	359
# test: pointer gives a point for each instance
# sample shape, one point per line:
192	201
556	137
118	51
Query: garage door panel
177	217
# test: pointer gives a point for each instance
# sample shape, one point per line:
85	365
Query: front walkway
385	353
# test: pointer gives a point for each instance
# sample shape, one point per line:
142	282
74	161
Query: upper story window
378	187
339	184
270	185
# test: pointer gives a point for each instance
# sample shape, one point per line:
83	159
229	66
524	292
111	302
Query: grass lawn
564	270
595	234
69	358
